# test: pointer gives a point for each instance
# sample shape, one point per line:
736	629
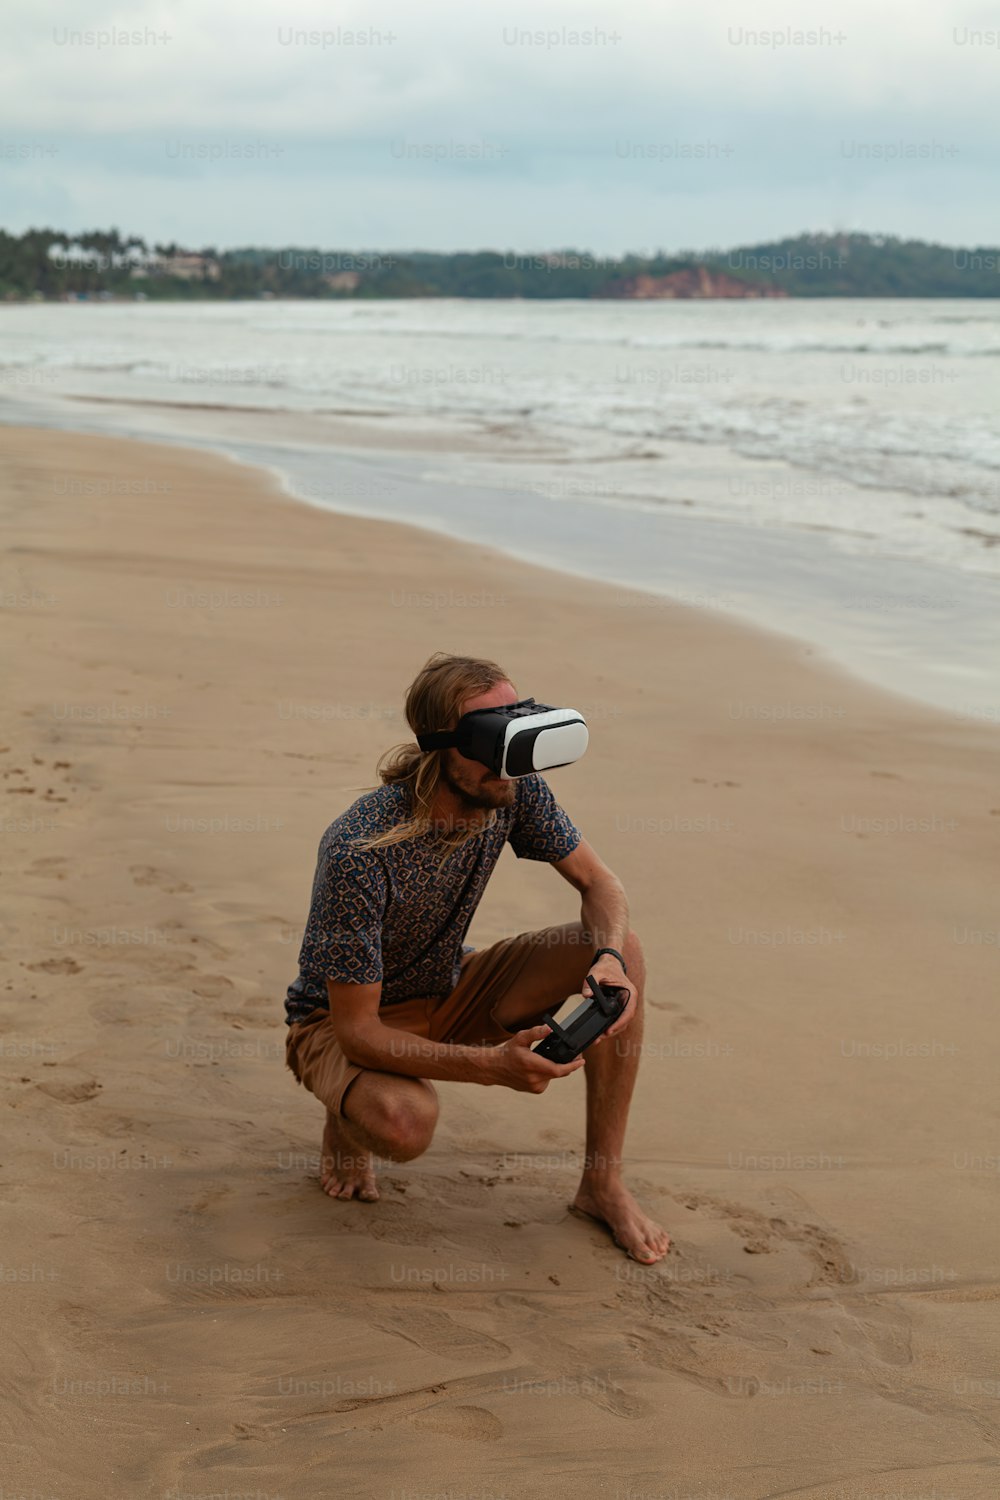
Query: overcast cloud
532	124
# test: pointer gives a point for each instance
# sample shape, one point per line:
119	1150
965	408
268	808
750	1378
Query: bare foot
611	1204
346	1171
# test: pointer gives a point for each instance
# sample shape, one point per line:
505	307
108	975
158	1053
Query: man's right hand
515	1066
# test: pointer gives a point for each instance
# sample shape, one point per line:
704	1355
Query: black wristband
614	954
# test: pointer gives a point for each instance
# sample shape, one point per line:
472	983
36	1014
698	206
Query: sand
202	673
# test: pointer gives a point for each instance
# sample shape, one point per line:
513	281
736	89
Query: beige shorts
544	967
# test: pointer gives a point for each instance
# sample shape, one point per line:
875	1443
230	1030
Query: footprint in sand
473	1422
211	986
681	1019
685	1357
71	1093
209	1199
438	1332
56	966
149	875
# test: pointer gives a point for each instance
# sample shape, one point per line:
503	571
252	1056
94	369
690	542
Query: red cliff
696	281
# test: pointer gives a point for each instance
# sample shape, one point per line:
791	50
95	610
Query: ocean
826	468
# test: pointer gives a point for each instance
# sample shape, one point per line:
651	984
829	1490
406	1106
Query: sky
528	125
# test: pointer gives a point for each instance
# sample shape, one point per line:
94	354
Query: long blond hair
433	701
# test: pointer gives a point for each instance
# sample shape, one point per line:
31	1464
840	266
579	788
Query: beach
204	672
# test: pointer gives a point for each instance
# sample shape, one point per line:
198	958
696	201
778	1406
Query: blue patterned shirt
390	914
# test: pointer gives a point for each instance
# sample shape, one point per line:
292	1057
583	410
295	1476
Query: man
388	998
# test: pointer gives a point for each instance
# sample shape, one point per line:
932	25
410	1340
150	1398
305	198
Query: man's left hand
608	971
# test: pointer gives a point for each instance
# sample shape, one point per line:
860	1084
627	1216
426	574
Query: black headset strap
438	739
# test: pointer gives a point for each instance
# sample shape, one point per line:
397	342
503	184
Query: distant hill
51	264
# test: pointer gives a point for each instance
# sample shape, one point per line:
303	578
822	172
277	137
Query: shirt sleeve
541	828
343	936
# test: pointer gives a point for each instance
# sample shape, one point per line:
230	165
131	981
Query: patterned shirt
390	914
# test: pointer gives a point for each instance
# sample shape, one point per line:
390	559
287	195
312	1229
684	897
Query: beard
481	794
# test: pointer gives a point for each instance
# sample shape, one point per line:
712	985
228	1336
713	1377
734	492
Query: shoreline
204	678
102	298
881	620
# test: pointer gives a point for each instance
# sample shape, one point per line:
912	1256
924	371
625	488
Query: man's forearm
604	912
389	1050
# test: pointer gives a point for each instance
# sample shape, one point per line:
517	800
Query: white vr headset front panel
557	742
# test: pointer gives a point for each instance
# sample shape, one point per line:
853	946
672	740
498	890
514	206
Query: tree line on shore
55	264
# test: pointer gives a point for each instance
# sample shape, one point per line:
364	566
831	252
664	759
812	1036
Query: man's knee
635	963
635	959
400	1114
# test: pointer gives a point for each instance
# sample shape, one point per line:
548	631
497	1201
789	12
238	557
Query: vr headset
515	739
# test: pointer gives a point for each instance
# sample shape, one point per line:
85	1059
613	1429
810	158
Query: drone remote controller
584	1025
